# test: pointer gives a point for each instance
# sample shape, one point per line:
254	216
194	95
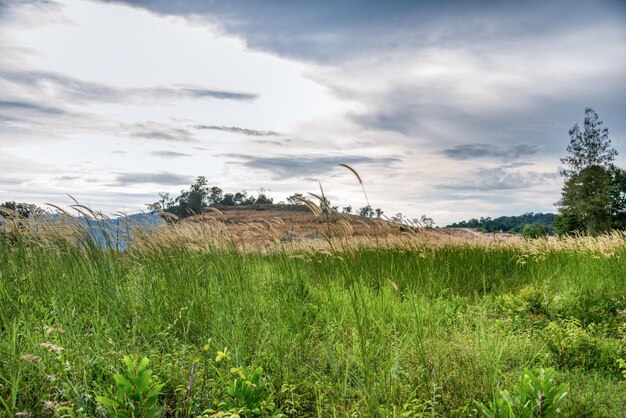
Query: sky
450	109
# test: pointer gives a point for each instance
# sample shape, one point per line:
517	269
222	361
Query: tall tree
588	192
591	147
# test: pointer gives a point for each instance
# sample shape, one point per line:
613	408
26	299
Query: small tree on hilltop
154	207
166	200
215	196
228	200
189	202
240	198
294	199
366	211
262	199
427	222
197	196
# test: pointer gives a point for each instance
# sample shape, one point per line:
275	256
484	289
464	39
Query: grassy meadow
406	326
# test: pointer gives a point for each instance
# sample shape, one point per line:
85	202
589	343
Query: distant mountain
511	224
115	232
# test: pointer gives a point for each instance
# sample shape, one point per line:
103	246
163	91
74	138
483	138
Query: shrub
533	231
535	396
574	346
136	393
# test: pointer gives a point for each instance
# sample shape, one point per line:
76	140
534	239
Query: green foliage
136	394
398	218
246	396
263	199
618	198
587	195
568	221
201	196
535	396
621	363
534	300
574	346
593	195
511	224
590	147
228	200
295	199
533	231
247	390
366	211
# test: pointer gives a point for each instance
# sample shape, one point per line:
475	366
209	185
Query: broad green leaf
105	401
122	381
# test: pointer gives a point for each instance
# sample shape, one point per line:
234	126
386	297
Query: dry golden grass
298	233
292	232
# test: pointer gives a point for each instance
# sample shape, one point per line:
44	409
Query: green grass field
371	330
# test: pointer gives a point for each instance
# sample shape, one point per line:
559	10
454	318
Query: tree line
510	224
200	196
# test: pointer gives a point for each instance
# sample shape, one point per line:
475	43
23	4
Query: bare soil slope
301	223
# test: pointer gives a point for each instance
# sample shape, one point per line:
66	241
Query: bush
533	231
574	346
136	392
535	396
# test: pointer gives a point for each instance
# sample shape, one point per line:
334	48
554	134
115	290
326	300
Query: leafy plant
136	392
246	397
533	231
534	300
575	346
622	366
536	396
248	389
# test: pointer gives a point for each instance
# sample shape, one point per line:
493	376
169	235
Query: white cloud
82	81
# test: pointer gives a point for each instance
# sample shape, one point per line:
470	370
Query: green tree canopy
589	147
592	196
366	211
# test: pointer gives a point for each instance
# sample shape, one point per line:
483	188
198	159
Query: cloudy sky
451	109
